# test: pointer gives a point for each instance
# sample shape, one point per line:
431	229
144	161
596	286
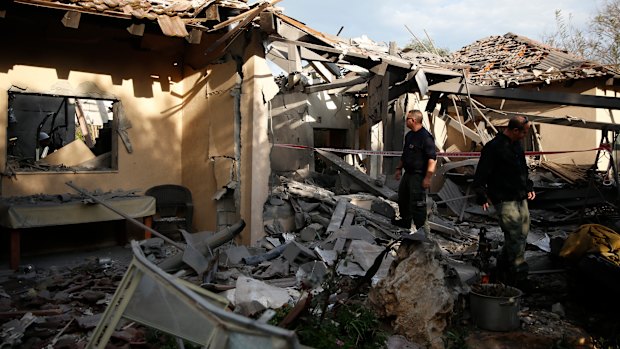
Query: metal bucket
495	307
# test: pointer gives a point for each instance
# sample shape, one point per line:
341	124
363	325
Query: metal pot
492	312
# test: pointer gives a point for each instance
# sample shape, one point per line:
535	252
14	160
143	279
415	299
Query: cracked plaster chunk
311	232
418	294
327	256
236	254
250	290
360	257
296	252
311	274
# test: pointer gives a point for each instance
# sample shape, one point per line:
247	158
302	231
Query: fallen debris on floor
326	261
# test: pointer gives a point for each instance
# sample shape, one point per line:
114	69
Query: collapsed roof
512	59
172	16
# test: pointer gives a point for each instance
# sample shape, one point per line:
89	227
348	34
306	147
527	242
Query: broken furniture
174	208
18	213
185	311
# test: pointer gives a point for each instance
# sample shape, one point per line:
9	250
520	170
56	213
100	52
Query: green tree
600	41
568	37
605	31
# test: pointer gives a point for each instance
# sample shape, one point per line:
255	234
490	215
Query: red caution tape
471	154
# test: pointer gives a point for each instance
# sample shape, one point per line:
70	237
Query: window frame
30	167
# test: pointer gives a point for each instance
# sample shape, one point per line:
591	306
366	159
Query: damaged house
126	95
134	95
512	73
571	101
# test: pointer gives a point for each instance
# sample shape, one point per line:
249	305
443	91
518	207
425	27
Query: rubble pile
57	308
327	260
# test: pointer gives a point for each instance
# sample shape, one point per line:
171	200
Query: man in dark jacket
502	179
418	160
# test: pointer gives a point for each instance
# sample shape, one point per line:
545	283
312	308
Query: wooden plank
359	177
338	216
222	43
469	133
344	82
71	154
378	95
541	96
322	71
570	173
555	120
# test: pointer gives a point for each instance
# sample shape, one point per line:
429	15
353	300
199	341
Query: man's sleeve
483	171
431	153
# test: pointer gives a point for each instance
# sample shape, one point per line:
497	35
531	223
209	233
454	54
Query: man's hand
531	195
485	206
426	183
398	174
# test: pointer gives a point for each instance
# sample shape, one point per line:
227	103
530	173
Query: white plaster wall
294	116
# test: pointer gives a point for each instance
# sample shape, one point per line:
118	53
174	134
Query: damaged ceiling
173	17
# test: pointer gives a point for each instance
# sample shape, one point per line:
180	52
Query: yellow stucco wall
179	104
98	61
207	133
213	135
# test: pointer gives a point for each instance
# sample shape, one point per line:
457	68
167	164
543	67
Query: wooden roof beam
517	94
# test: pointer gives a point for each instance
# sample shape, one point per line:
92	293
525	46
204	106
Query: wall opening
56	133
328	138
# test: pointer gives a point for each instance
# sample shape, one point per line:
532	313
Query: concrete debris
311	232
250	291
418	293
361	253
296	252
13	331
314	237
311	274
64	305
236	254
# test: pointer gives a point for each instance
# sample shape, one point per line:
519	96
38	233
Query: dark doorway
328	138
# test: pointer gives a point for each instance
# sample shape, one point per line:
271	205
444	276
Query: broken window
56	133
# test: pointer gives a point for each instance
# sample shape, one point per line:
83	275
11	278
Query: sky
451	24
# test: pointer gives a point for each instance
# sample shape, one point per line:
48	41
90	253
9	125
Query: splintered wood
571	173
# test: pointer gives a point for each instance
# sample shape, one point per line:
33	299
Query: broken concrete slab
337	216
296	253
236	254
383	207
360	257
418	294
276	268
327	256
311	274
250	290
311	232
284	215
364	253
308	192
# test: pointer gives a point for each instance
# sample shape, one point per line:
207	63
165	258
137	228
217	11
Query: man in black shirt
502	179
418	160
